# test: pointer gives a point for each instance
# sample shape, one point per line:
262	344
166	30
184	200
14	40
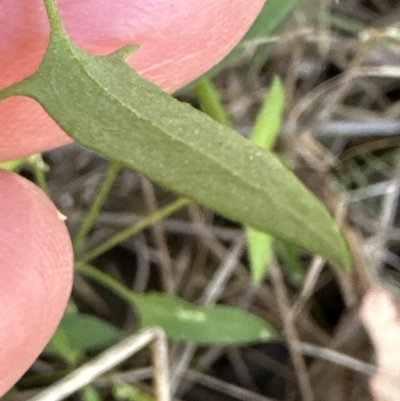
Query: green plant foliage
259	249
86	332
78	333
126	392
264	134
269	118
89	393
13	165
290	257
61	346
105	105
216	324
211	102
183	321
272	15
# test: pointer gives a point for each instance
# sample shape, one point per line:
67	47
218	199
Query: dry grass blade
338	358
291	333
111	358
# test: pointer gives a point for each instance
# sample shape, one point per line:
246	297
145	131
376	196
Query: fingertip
36	266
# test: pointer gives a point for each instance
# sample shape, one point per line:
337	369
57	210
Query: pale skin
179	41
380	313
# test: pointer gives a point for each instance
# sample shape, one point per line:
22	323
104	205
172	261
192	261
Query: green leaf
290	257
90	393
272	15
61	346
105	105
78	333
211	102
269	118
87	332
13	165
216	324
125	392
266	129
183	321
259	248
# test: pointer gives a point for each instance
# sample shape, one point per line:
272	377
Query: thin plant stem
159	348
56	25
290	332
39	167
104	279
98	202
135	229
166	265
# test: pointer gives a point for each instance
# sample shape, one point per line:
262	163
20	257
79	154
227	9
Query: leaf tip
346	260
125	51
266	334
342	255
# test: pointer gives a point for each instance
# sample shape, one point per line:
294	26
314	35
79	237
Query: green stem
56	25
211	102
104	279
135	229
18	89
98	202
39	166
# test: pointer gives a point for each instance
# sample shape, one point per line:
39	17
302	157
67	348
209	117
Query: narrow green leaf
216	324
78	333
125	392
264	134
259	248
269	118
290	257
183	321
86	332
211	102
272	15
60	345
13	165
90	393
105	105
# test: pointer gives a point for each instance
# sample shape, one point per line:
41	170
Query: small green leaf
290	257
269	118
264	134
90	393
105	105
125	392
272	15
61	346
259	248
87	332
183	321
211	102
13	165
216	324
78	333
